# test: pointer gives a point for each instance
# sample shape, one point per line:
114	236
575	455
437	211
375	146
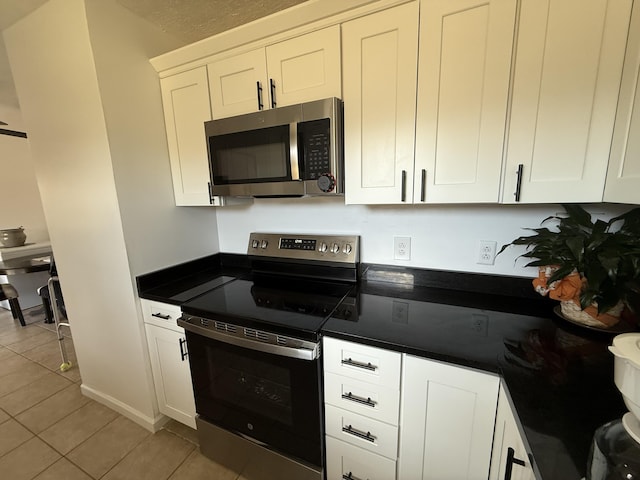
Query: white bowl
626	373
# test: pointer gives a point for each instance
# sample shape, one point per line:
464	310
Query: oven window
270	398
251	157
250	385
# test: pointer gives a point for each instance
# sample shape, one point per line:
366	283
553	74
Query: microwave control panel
316	148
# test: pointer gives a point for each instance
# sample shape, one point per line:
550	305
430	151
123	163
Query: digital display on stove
297	244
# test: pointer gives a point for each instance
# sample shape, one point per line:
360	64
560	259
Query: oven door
271	399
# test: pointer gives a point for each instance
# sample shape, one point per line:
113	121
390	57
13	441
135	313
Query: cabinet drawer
362	362
361	431
366	399
161	314
344	460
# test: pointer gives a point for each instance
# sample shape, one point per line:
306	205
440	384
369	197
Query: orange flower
567	288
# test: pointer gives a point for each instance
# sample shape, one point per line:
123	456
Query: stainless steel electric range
254	349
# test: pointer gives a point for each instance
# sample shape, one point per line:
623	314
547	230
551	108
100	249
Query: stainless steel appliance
255	357
288	151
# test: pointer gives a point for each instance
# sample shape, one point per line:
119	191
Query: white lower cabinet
390	415
446	422
345	461
362	402
509	459
169	362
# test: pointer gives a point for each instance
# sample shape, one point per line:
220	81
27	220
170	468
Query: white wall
20	194
90	101
157	233
443	237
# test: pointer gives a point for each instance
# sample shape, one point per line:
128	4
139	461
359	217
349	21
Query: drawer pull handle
357	433
159	315
350	476
353	363
354	398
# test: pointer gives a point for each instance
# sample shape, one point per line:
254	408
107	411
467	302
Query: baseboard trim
146	422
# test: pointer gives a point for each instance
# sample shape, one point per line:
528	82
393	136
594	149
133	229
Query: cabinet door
565	88
171	375
305	68
185	98
239	84
379	65
465	60
447	420
623	176
507	436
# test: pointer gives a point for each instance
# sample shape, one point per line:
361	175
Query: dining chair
8	292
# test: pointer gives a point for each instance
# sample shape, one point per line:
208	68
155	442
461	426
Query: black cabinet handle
518	182
183	350
354	398
353	363
357	433
260	104
210	193
423	186
272	86
511	459
350	476
404	186
159	315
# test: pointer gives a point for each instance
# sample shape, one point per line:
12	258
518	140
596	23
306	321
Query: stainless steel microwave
289	151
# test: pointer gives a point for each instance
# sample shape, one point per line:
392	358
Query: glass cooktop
295	307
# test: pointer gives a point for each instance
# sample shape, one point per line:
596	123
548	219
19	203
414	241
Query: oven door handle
300	353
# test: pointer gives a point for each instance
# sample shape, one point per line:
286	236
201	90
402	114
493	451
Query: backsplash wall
443	237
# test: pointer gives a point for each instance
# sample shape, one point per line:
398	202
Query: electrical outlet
402	248
400	312
487	252
480	324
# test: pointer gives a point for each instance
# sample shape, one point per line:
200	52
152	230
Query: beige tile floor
50	431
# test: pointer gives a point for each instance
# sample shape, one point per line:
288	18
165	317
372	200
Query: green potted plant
592	267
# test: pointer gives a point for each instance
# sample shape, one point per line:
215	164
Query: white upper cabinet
379	66
566	79
239	84
293	71
464	71
623	176
185	98
305	68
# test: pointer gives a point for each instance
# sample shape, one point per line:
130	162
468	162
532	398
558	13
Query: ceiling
187	20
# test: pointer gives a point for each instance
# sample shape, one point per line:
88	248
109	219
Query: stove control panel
333	248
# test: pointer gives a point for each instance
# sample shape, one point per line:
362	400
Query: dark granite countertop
559	376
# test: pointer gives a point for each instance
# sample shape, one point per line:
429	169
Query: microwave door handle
293	151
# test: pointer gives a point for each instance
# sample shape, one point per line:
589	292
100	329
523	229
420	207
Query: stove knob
255	243
347	249
335	248
323	247
264	244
